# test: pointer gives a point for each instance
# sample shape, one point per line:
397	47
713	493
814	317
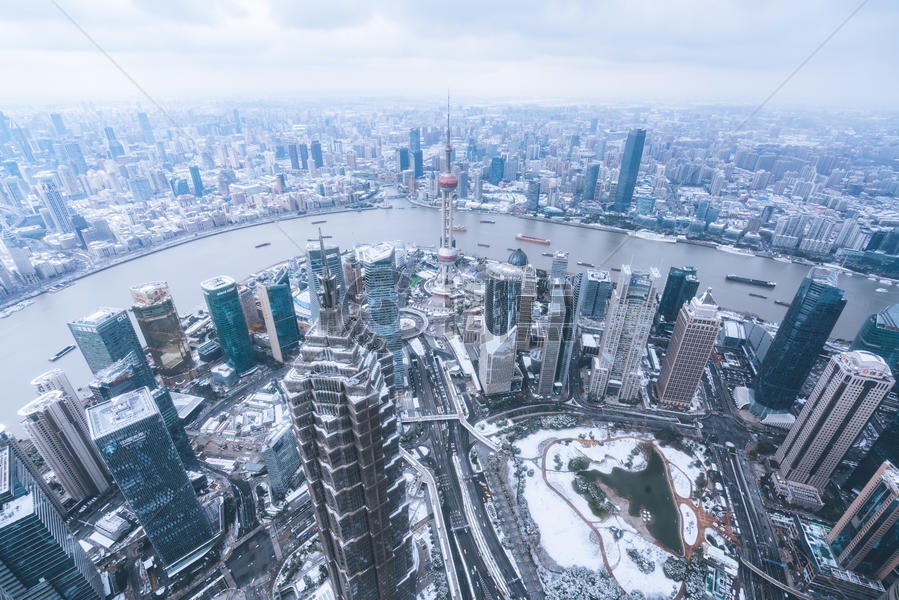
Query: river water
31	335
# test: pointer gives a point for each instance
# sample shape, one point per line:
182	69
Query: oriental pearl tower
447	254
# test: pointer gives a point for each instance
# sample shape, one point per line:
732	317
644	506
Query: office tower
446	253
616	371
352	276
800	338
415	139
19	253
497	166
886	447
418	164
594	294
552	344
688	352
496	362
379	278
39	557
196	180
104	337
294	157
848	392
314	270
880	334
532	197
248	304
304	156
55	203
57	425
630	166
866	538
134	442
526	308
26	471
160	324
680	286
343	383
124	375
58	125
21	138
281	458
278	313
402	159
112	143
559	267
146	130
317	158
223	301
590	179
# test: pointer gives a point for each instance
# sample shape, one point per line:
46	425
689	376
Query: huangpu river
31	335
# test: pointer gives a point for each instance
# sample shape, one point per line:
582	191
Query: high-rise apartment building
799	340
552	343
57	426
616	371
630	166
691	345
379	280
133	440
278	313
880	334
866	538
223	301
281	458
314	269
59	211
341	396
680	286
39	557
54	379
158	320
502	293
104	337
848	392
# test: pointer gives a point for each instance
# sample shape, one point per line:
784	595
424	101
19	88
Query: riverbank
69	280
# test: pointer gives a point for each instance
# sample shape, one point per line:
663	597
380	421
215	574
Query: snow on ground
681	483
564	536
615	453
683	461
418	509
490	429
688	523
653	585
715	537
562	483
530	445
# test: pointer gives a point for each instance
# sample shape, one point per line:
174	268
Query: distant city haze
690	52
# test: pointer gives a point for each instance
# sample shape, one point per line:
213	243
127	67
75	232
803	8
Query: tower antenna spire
449	148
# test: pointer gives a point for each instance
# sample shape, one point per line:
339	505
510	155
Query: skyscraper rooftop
121	411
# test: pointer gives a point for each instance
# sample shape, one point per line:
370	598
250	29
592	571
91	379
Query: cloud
685	50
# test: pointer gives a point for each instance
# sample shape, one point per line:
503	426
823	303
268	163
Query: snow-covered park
571	532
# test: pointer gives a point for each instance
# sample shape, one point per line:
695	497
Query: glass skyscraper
196	180
594	293
379	280
590	178
39	556
135	443
158	320
800	338
278	313
680	286
880	334
630	166
223	301
501	298
314	271
886	447
128	375
282	459
104	337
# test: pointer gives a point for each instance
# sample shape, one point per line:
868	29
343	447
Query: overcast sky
669	51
